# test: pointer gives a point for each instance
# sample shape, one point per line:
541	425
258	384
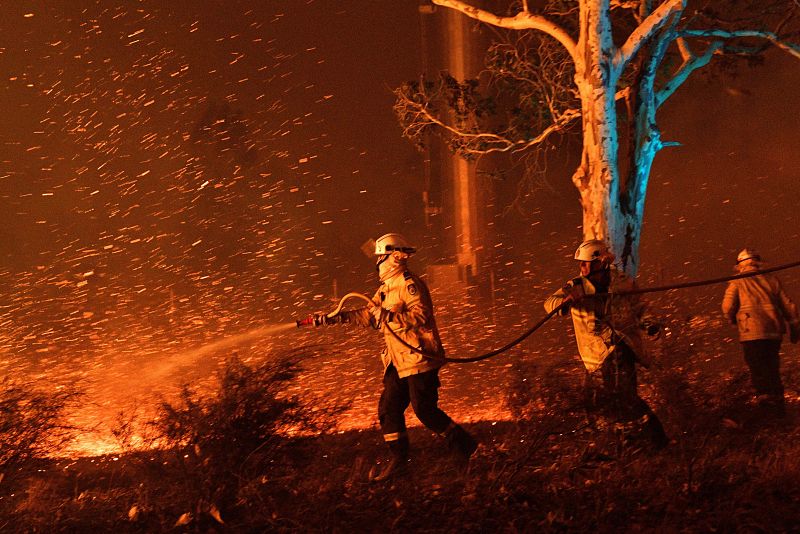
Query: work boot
397	464
461	443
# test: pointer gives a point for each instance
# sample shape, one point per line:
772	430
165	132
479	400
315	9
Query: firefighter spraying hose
403	310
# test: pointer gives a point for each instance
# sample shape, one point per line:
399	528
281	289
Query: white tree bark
598	64
597	177
613	207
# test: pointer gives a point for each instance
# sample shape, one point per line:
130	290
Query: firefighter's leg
763	359
773	365
633	412
594	398
391	410
424	392
609	401
757	355
460	442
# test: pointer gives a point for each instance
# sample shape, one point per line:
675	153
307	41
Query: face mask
388	267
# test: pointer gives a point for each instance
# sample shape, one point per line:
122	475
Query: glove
794	333
573	292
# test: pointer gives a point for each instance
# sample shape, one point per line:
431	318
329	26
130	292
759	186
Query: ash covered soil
541	466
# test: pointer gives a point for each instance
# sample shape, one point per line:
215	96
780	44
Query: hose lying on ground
547	317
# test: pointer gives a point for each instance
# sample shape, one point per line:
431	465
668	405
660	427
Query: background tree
612	63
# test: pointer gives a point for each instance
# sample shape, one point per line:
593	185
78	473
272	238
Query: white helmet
748	254
388	243
593	249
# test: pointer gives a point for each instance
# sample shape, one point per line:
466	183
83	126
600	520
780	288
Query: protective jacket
408	310
601	323
759	306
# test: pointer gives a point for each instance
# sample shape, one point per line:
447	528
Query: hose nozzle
308	321
326	319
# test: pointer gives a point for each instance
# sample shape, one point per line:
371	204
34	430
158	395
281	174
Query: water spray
192	356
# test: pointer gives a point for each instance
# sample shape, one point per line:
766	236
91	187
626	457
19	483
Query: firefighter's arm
638	306
788	307
364	317
647	321
562	298
411	317
789	311
650	324
730	302
414	310
360	316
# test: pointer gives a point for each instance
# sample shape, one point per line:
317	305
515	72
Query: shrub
32	424
226	440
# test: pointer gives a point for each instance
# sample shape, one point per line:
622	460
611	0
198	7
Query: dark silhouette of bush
225	442
32	425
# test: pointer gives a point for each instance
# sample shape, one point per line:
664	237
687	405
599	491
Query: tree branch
692	63
772	37
518	146
684	49
423	117
523	20
418	116
652	24
686	69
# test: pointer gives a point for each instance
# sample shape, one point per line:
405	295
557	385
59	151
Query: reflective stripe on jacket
759	306
603	322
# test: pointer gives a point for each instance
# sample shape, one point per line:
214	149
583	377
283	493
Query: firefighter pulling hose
608	332
321	319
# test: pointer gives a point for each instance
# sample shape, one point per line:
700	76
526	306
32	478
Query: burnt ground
542	464
730	467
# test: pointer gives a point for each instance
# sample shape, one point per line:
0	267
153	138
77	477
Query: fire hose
637	291
418	350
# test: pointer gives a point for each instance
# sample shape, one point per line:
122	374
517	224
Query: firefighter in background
760	307
608	333
403	303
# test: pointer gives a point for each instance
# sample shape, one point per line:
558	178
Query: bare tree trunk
645	143
597	177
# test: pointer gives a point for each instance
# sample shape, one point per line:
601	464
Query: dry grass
230	466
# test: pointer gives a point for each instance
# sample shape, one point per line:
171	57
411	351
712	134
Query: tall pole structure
461	63
449	43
